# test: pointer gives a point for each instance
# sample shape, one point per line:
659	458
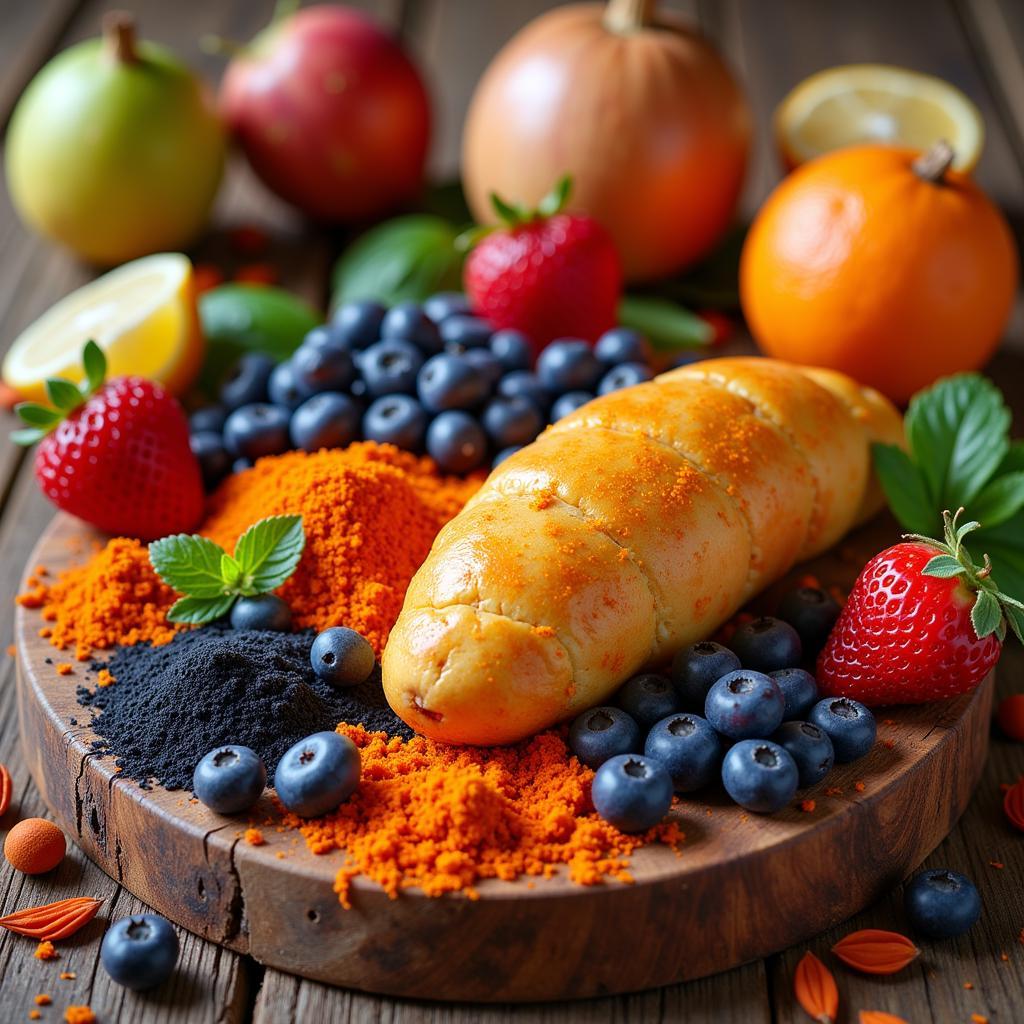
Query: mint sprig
210	580
992	609
960	456
65	398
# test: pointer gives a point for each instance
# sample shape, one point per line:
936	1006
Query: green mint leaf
27	437
943	567
268	553
554	202
986	614
666	324
35	415
905	489
1000	498
958	431
190	564
197	610
64	395
230	571
1015	617
94	362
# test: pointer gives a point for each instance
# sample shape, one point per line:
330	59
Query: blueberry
445	304
486	364
318	369
341	657
209	417
390	368
745	704
809	747
625	375
812	613
317	774
647	699
408	322
799	690
849	725
140	952
760	776
229	779
456	442
622	345
448	381
522	382
632	792
327	420
601	733
396	419
512	348
284	390
511	421
241	465
214	461
568	364
688	748
503	455
697	668
247	381
767	644
465	331
264	611
257	430
569	403
941	904
356	325
326	336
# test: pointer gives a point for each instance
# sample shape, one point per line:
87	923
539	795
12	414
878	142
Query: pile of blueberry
431	378
747	714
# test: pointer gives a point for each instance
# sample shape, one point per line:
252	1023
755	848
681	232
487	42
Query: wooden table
979	45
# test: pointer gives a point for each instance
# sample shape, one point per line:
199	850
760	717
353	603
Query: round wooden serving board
742	886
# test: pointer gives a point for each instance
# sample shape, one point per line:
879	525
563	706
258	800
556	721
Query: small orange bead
1010	716
35	846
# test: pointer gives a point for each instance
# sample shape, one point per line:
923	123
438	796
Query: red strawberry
547	273
922	622
118	455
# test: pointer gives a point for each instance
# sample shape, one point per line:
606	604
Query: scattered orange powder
12	650
65	668
68	975
79	1015
45	951
859	786
443	818
43	999
370	514
34	1015
104	678
254	837
808	806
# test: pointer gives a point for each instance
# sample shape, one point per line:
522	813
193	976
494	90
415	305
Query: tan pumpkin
641	111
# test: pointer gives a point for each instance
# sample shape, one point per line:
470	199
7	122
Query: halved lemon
143	316
858	103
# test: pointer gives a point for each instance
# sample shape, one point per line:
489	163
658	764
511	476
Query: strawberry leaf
554	202
944	567
28	436
268	553
905	488
986	615
198	610
34	415
64	395
190	564
668	325
94	362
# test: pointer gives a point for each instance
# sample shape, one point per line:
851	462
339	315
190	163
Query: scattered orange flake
807	806
542	631
104	678
888	721
45	951
254	837
45	632
968	985
978	1018
279	855
889	744
79	1015
34	1015
996	864
833	791
859	786
40	570
1004	957
12	650
65	668
43	999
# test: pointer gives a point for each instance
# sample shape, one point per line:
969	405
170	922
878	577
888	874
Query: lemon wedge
858	103
143	316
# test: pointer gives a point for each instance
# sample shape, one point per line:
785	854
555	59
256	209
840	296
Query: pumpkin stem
625	16
932	165
119	36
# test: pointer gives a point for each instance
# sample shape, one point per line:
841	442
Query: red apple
331	113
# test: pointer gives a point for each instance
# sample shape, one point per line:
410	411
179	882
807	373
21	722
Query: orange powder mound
442	818
370	513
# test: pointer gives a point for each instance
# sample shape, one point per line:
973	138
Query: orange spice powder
444	818
370	513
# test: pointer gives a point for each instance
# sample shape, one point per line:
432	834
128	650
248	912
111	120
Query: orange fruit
881	263
34	846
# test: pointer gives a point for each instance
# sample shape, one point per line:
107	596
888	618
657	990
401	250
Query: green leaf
667	325
905	489
556	199
1001	498
268	553
943	567
1013	460
34	415
190	564
958	431
94	362
1015	617
230	570
986	614
508	213
197	610
27	437
1004	544
405	259
64	395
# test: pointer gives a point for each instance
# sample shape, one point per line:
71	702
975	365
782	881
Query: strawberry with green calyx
545	272
922	622
114	452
